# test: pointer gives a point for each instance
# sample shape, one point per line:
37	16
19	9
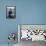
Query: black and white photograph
31	35
11	12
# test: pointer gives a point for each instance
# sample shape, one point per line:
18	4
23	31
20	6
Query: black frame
11	9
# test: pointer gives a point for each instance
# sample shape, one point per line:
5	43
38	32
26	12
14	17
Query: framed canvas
32	32
11	12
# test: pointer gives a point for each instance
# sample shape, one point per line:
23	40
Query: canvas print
30	35
11	12
32	32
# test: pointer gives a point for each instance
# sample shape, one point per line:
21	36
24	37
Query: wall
27	12
6	25
32	11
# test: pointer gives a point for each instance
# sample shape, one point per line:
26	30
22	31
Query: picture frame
10	12
39	28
